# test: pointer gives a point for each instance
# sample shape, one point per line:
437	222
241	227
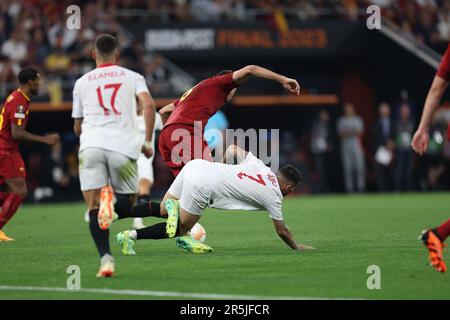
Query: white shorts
145	168
100	167
190	189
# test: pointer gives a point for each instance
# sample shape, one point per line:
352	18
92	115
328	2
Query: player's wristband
147	144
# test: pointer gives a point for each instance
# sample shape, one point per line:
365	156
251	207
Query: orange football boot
435	248
4	237
106	214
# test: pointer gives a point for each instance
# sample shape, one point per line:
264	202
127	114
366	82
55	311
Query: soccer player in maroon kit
198	105
434	238
13	121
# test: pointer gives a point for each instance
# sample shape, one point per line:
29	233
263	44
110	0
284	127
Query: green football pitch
350	233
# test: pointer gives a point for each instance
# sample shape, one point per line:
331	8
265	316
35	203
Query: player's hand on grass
304	247
420	141
291	85
147	151
51	139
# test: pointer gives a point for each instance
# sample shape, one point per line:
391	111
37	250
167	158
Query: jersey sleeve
226	81
274	209
77	107
444	68
141	85
18	114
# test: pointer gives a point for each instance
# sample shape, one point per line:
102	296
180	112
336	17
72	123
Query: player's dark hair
291	174
27	74
221	73
106	44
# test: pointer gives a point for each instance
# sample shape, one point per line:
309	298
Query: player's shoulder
15	98
129	72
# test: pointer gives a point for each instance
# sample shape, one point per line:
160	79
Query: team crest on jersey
20	109
20	112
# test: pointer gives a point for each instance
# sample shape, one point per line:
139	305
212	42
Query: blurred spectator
443	25
321	147
404	131
384	148
58	62
8	74
426	28
350	127
15	48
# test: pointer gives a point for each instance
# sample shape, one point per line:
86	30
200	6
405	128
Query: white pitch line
145	293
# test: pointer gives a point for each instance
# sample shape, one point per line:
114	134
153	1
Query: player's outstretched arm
19	133
244	74
285	234
165	112
421	137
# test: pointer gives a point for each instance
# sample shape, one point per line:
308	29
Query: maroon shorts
11	165
179	144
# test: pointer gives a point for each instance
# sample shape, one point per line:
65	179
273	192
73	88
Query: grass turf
350	233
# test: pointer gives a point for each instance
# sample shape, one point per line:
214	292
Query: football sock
101	237
123	205
443	231
132	234
9	208
144	198
157	231
3	196
142	210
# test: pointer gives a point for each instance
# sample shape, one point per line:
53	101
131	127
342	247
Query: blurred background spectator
404	131
350	128
321	147
384	148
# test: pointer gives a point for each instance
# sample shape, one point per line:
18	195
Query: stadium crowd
379	155
39	37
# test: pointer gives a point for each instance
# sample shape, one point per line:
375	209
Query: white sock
133	234
107	258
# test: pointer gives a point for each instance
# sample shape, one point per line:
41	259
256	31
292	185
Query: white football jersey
106	100
250	185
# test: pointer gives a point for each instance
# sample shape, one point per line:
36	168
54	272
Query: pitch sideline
167	294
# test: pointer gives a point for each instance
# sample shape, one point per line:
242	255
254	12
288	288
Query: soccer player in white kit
145	166
105	113
249	185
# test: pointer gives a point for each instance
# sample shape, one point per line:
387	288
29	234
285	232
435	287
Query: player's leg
93	177
145	172
184	241
434	241
193	201
171	145
443	231
13	199
120	197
